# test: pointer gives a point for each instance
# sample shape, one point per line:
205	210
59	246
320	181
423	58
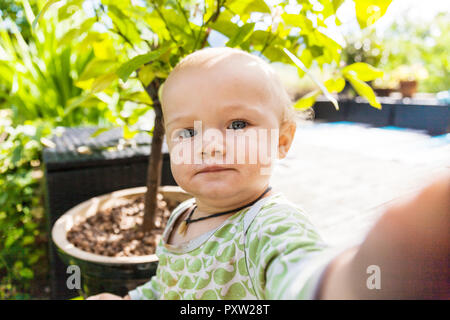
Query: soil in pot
383	92
117	230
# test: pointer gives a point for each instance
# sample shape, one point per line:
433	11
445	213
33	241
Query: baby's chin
213	189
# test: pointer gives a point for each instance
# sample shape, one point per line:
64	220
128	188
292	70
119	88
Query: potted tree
153	37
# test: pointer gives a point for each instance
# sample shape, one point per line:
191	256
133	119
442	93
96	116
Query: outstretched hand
409	246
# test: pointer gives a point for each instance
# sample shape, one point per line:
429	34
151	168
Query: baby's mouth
213	169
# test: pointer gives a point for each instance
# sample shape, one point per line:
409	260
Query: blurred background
409	43
344	168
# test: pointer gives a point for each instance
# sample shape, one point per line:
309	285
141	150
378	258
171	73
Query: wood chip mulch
117	231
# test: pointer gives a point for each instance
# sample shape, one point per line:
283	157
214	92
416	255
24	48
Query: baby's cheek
182	153
183	175
256	147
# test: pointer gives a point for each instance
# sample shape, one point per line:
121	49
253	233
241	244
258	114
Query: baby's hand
107	296
410	245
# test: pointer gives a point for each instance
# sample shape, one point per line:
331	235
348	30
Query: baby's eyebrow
238	107
226	109
176	119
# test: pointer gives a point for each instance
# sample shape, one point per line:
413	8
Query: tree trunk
155	161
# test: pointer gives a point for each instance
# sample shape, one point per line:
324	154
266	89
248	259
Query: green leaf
123	22
335	85
257	6
103	82
69	9
316	51
17	154
87	100
99	132
129	134
241	35
26	273
369	11
41	13
364	90
297	20
138	97
337	4
70	36
307	101
244	8
146	75
13	235
363	71
128	67
227	28
96	68
3	198
27	240
301	66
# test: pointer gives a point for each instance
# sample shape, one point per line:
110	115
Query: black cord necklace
184	224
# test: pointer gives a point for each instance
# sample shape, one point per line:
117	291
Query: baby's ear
287	133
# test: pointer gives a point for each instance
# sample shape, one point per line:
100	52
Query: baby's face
223	116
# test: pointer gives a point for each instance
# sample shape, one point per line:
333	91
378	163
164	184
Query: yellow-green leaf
139	97
369	11
241	35
133	64
301	66
96	68
103	82
41	13
99	131
69	9
307	101
104	50
363	71
335	85
146	75
129	134
364	90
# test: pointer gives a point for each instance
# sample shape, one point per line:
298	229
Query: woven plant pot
100	273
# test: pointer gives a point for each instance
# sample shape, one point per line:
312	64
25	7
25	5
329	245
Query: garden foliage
103	62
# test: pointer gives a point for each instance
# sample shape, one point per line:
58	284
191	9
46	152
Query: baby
227	120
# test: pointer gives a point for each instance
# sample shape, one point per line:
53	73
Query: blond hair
210	56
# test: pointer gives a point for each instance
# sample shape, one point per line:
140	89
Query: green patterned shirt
267	251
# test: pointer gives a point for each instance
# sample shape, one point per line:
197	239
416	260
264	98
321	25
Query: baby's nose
213	144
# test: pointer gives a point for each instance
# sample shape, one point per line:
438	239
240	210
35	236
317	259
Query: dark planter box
363	112
434	119
426	115
72	178
325	110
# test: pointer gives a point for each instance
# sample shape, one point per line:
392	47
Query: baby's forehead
234	62
232	71
225	75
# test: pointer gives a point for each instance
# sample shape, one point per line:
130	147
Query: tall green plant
38	76
46	80
22	232
157	34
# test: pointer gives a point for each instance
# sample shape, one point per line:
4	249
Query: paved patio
345	174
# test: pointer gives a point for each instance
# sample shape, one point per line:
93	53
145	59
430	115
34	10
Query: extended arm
409	248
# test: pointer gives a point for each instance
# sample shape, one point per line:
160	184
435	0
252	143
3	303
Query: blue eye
238	124
186	133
